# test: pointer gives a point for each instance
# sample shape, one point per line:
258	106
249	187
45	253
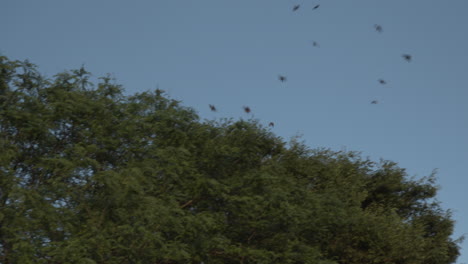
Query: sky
230	54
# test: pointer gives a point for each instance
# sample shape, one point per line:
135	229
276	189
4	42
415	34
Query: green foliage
89	175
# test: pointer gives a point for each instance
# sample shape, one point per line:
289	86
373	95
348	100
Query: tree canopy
91	175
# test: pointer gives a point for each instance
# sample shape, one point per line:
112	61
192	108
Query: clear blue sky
230	53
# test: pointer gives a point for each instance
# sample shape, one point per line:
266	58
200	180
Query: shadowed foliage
90	175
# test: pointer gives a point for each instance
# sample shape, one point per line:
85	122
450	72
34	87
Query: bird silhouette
282	78
315	44
271	124
374	102
315	7
296	7
407	57
213	108
247	109
382	81
378	28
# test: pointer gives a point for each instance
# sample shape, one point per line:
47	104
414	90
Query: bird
282	78
271	124
382	81
315	7
407	57
378	28
374	102
247	109
213	108
296	7
315	44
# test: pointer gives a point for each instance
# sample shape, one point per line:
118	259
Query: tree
90	175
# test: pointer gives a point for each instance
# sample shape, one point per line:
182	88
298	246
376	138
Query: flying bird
407	57
315	44
247	109
378	28
213	108
315	7
282	78
374	102
296	7
382	81
271	124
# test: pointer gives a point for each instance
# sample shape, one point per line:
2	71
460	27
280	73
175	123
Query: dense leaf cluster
89	175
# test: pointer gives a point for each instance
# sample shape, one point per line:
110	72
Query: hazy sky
230	53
